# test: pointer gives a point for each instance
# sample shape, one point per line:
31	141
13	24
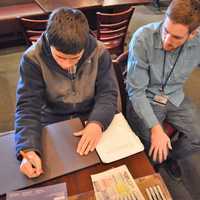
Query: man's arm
105	93
137	83
104	108
30	95
138	80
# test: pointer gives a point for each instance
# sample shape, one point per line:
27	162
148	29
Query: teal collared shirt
145	67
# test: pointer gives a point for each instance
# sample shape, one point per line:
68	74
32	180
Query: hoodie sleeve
30	98
106	92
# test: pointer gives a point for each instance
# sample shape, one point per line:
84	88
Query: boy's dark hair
67	30
186	12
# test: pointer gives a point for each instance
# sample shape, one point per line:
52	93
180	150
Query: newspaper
116	184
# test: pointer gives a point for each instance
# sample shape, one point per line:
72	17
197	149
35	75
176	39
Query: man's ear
194	33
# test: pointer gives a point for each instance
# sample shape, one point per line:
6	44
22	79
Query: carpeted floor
9	59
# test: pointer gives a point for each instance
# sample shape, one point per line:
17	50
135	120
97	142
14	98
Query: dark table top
80	181
49	5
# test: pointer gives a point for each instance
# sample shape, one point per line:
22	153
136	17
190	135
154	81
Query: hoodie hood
90	46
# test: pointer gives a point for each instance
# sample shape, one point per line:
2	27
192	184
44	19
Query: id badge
160	99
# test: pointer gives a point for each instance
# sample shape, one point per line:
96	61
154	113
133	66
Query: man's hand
32	166
160	144
90	137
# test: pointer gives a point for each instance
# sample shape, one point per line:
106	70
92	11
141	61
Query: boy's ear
194	33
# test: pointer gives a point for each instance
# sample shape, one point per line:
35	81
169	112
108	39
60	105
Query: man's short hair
186	12
67	30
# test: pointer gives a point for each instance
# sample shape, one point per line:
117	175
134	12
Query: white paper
118	141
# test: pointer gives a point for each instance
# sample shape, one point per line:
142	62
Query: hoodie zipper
73	77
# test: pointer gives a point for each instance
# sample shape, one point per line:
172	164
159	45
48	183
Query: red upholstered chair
169	129
120	64
112	29
33	27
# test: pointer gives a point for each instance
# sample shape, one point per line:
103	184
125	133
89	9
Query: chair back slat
31	33
113	31
114	25
110	39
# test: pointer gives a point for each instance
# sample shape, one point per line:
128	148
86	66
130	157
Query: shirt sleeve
138	80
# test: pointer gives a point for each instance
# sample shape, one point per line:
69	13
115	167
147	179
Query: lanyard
164	82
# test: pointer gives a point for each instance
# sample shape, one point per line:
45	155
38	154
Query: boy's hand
32	166
90	137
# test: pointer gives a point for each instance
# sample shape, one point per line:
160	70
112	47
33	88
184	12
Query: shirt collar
157	37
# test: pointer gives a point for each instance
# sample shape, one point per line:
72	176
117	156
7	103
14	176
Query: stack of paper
116	183
118	141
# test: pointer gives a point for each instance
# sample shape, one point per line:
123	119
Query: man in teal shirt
161	57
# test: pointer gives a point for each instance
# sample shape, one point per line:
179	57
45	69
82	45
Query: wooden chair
112	29
120	67
33	27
